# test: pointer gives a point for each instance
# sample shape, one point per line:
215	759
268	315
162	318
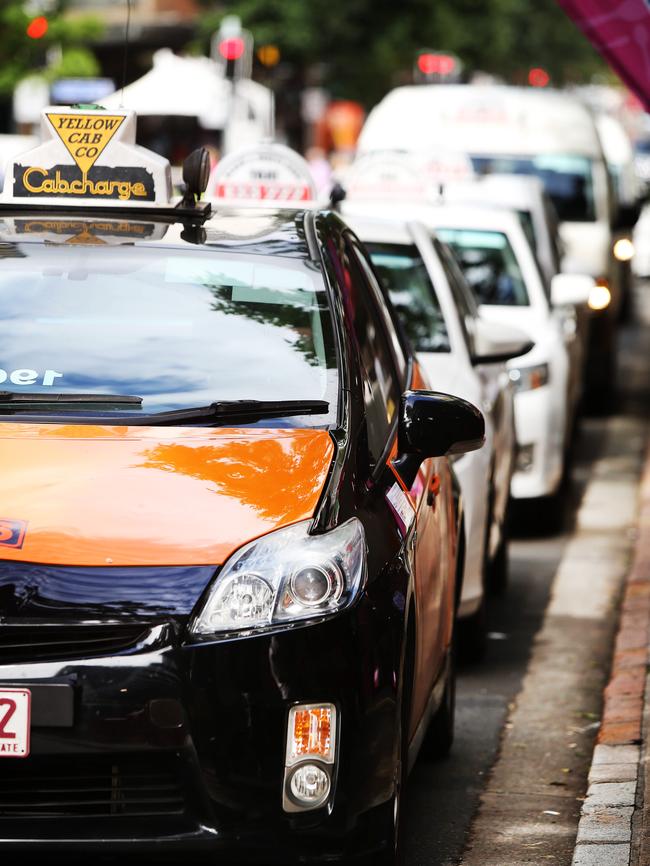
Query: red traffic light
436	64
232	48
37	27
538	77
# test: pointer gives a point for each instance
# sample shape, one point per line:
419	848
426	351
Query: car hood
147	496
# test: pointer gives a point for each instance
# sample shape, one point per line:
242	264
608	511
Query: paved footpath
614	827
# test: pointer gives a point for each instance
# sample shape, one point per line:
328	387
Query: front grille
47	641
90	786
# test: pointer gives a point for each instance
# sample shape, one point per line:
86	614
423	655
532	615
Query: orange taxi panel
87	495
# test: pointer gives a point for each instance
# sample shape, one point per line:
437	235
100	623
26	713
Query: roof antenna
126	49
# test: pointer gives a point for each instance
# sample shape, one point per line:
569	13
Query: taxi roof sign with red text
264	174
88	156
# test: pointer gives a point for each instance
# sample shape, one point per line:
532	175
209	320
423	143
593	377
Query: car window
526	220
412	293
461	293
390	325
568	179
180	329
489	264
381	388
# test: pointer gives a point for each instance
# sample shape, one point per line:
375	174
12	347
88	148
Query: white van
548	134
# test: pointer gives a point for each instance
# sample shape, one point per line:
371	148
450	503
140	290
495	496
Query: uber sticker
12	532
401	507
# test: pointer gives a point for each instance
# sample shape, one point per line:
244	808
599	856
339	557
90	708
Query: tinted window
567	179
489	264
381	386
406	279
179	329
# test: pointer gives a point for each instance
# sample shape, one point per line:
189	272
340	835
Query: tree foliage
20	55
364	47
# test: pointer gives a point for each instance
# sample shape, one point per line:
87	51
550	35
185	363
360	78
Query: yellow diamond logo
85	136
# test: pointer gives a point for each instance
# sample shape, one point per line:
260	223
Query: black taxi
229	556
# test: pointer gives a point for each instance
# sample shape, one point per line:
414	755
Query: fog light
599	297
623	250
310	785
310	757
525	458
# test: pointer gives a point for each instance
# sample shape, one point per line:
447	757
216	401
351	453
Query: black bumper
182	748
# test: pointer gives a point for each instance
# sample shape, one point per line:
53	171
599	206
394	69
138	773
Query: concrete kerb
614	813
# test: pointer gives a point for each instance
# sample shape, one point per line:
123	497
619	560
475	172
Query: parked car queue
258	472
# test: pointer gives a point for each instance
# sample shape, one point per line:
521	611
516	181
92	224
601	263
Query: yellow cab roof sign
88	156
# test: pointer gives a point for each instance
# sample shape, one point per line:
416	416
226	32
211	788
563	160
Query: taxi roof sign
266	173
88	156
400	176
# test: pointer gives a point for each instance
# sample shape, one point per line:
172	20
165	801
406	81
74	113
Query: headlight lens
529	378
285	576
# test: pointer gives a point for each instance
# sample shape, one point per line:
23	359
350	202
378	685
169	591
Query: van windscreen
567	178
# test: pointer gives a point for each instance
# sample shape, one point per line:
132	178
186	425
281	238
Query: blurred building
154	24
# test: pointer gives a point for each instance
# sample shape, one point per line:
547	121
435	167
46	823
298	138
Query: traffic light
232	49
37	27
538	77
433	67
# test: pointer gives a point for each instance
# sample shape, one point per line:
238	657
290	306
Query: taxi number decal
401	507
24	376
12	532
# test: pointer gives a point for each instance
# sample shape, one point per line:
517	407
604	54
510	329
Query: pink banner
620	30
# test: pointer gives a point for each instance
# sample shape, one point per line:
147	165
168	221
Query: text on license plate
15	710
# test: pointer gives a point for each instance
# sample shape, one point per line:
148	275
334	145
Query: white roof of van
480	119
434	216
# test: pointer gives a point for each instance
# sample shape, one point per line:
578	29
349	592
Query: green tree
365	47
20	55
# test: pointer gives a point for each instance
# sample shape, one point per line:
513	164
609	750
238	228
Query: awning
621	32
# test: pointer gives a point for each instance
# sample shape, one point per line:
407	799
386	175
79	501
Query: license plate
15	713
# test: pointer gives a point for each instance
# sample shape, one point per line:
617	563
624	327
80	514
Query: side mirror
495	343
571	289
432	424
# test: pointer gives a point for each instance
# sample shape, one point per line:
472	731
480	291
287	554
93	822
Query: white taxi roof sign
88	156
385	175
268	173
399	176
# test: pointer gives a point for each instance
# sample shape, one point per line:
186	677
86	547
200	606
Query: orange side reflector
311	733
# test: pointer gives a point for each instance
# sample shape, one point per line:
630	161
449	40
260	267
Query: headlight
529	378
284	577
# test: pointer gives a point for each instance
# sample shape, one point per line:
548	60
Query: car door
496	393
434	538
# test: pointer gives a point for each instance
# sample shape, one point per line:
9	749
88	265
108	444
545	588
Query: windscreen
180	329
404	274
489	264
567	179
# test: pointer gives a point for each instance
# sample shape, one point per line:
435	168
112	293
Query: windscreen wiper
61	399
34	407
237	410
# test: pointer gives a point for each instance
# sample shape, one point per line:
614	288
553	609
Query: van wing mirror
571	289
432	424
495	343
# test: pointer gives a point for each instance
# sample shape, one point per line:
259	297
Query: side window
381	382
462	294
377	294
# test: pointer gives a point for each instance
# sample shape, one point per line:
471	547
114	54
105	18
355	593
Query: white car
527	197
546	133
497	260
441	319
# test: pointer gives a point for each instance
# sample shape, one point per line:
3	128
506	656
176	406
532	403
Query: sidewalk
614	827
